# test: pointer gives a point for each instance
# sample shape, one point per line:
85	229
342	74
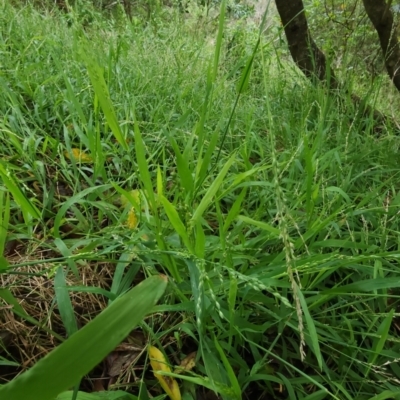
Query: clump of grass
274	213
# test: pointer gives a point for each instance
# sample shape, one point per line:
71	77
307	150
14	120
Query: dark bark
128	8
381	16
312	61
305	53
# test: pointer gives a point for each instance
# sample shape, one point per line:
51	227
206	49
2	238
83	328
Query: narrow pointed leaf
159	363
74	358
212	190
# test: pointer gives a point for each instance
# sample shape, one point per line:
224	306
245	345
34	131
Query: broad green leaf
75	357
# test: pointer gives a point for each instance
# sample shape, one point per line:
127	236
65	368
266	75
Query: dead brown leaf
187	364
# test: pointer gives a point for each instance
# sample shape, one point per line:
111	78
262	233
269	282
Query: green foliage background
272	206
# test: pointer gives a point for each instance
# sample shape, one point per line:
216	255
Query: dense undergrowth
271	206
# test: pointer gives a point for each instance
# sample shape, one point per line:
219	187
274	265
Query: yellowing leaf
159	363
135	195
133	220
79	156
187	364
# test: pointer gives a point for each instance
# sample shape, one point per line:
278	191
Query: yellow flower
132	220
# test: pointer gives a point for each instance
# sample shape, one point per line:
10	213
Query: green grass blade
198	293
387	394
379	343
220	35
185	174
64	303
176	222
200	244
262	225
212	190
160	185
309	177
18	310
368	285
101	89
229	370
66	252
109	395
244	80
203	164
4	218
78	198
235	209
27	207
143	165
124	260
311	327
92	289
70	361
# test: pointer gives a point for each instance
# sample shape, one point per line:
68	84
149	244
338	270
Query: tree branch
381	16
305	53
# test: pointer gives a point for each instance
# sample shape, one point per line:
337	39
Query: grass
276	220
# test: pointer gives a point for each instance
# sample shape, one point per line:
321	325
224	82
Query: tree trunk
382	18
305	53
